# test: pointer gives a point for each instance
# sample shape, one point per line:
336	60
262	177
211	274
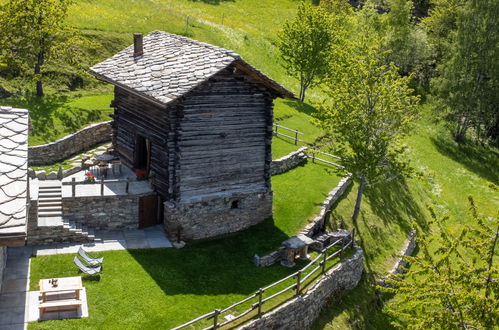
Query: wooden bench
66	305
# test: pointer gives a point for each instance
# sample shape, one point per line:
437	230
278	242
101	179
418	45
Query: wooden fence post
296	138
102	186
73	187
260	297
298	282
324	261
215	318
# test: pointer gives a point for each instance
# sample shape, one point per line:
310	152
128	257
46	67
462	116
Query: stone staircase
51	226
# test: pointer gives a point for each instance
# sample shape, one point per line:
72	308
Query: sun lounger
89	260
85	269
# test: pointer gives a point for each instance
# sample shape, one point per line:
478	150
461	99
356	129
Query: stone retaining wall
3	262
289	161
103	212
313	227
400	263
69	145
301	312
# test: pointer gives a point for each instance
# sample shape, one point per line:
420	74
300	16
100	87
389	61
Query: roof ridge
225	51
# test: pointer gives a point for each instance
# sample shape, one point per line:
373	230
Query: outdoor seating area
62	296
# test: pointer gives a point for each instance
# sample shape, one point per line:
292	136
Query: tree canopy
34	33
368	109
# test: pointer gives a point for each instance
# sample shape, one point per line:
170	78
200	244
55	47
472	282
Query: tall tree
34	34
469	83
453	282
406	41
369	108
304	43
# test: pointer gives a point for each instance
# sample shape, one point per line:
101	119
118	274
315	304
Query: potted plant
141	175
89	178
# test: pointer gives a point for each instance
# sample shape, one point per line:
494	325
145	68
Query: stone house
198	120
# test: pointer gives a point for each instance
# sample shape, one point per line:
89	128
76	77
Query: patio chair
85	269
89	260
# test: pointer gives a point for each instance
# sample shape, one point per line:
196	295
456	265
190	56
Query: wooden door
148	211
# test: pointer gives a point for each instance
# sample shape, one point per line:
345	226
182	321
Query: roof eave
260	76
129	89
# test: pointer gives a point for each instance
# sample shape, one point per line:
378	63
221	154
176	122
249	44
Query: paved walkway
14	295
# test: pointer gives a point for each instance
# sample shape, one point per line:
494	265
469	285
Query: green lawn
53	117
446	174
293	115
166	287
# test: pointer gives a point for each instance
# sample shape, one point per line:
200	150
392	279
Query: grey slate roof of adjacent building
13	171
171	66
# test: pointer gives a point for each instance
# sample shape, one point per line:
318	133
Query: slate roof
171	66
13	171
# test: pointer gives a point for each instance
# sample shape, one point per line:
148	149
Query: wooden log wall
135	116
224	138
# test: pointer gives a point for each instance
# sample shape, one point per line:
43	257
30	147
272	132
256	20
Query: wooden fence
294	138
73	183
319	263
314	158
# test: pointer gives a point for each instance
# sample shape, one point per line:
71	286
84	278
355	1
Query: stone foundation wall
216	216
3	262
103	212
70	145
288	162
301	312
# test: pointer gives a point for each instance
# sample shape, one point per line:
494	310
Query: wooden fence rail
320	263
73	183
295	138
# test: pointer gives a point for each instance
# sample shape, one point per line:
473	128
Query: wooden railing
314	158
73	183
319	263
296	132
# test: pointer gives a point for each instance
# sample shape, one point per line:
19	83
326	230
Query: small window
234	204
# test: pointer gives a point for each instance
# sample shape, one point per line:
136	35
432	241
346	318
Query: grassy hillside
446	174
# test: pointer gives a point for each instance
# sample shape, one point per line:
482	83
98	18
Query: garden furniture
89	260
85	269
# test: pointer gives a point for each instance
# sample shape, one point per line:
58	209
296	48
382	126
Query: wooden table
65	285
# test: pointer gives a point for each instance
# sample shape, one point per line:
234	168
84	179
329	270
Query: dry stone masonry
217	216
289	162
300	312
70	144
312	228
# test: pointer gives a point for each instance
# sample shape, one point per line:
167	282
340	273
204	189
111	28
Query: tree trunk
356	211
38	67
302	92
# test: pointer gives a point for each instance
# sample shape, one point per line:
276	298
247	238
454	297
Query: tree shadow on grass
361	307
300	106
393	202
213	2
219	266
42	111
481	160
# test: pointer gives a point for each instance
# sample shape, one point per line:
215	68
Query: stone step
50	222
48	199
45	204
42	214
48	208
50	186
52	195
49	192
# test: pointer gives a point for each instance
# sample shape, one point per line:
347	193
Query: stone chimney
138	45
